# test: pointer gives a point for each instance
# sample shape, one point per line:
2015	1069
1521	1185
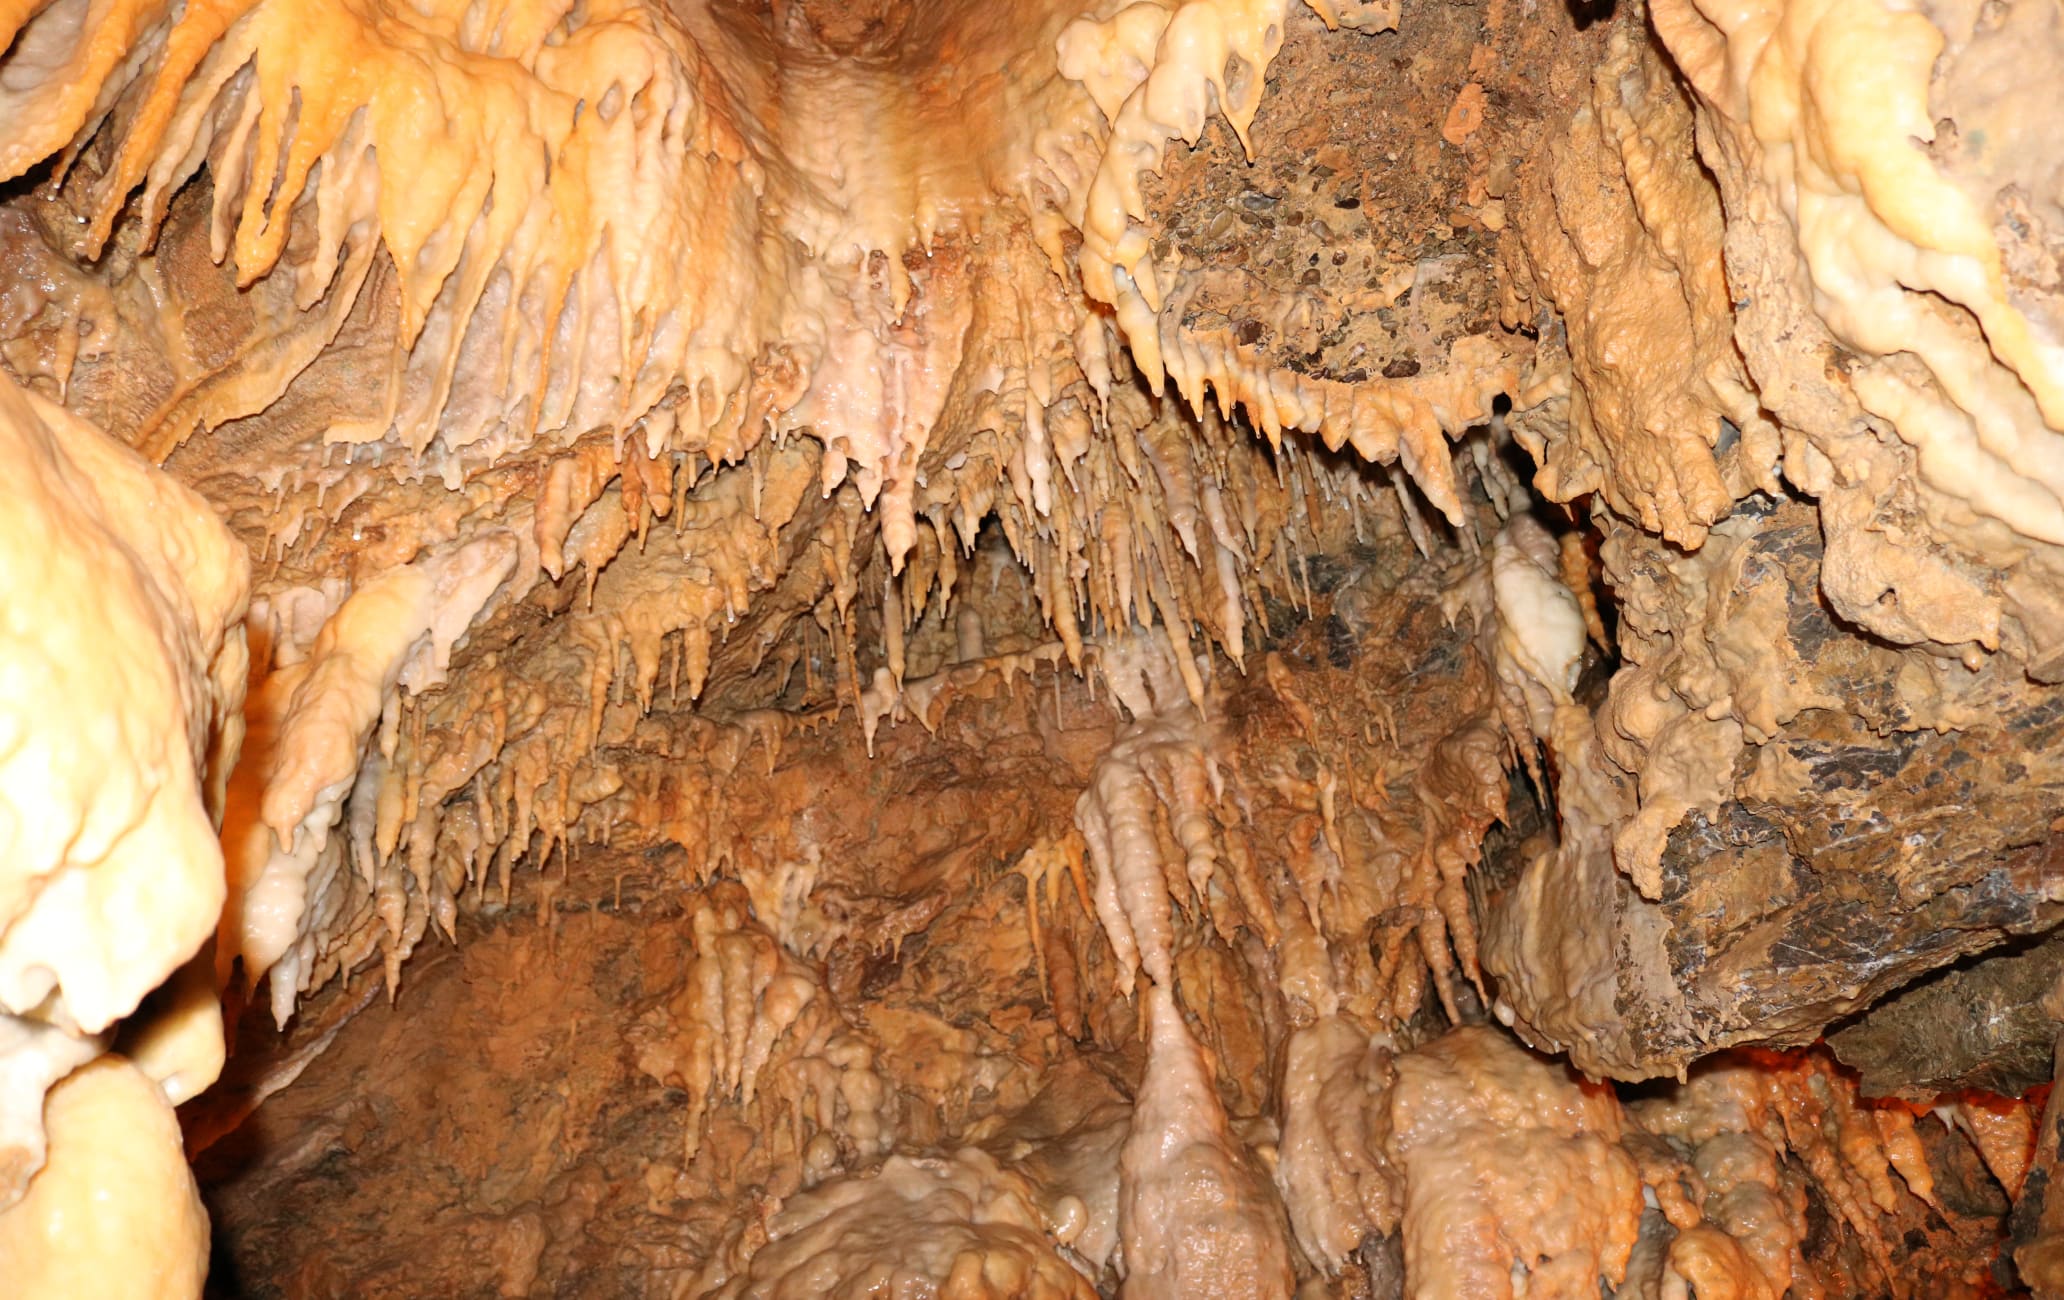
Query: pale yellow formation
1515	1182
121	677
1332	1166
960	1227
1836	97
1757	1130
1540	624
182	1043
114	1214
1910	249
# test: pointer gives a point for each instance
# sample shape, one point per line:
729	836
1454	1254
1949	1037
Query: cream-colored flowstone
121	683
114	1213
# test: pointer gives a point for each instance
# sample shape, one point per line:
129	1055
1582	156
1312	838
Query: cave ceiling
905	647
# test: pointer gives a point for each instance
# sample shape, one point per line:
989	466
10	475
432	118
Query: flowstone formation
782	648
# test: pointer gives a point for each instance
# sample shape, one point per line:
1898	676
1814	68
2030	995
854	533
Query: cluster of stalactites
752	1027
1172	822
1122	511
595	213
1154	519
484	150
1743	1138
1157	75
969	381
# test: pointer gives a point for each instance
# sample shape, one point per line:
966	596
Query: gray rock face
1898	815
1979	1026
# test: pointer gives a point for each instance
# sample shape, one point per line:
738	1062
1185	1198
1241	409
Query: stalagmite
1195	1217
1193	1213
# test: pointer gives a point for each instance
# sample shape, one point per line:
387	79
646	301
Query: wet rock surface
1977	1026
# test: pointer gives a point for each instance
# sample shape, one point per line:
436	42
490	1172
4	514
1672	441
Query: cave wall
691	445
